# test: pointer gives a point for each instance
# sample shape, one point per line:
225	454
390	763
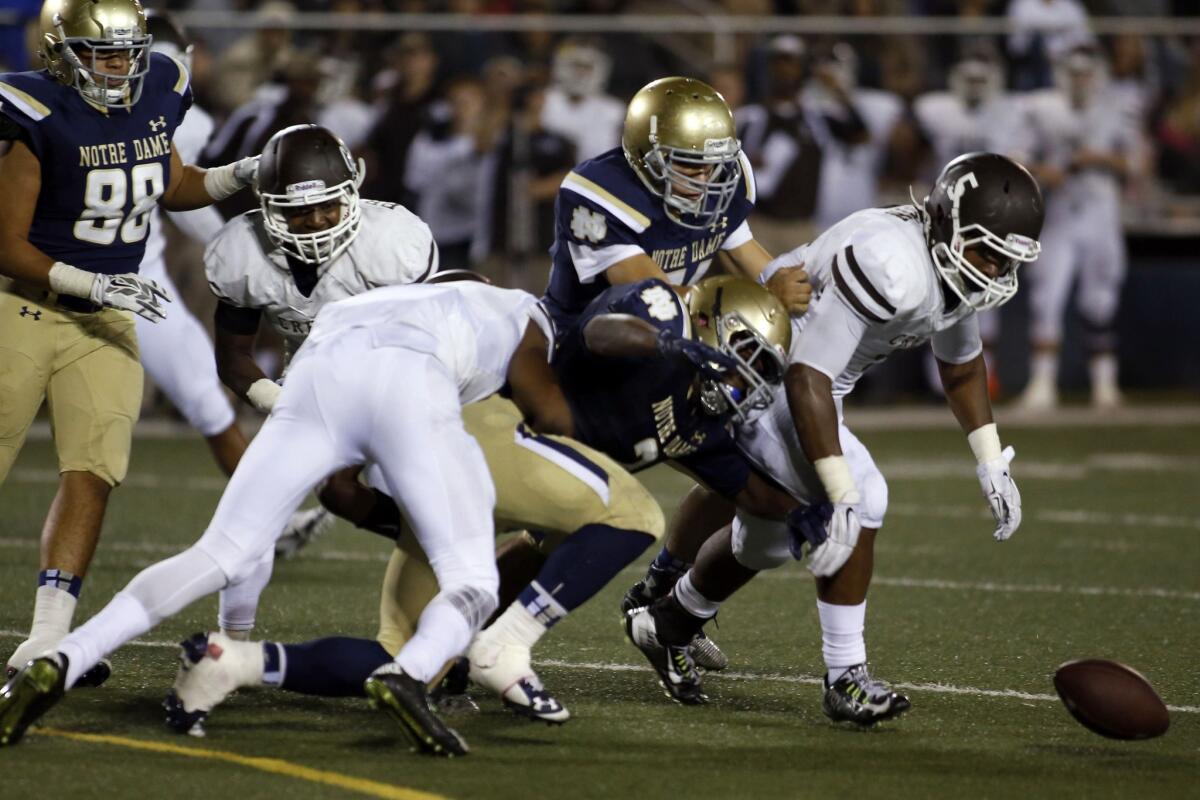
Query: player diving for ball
885	279
92	155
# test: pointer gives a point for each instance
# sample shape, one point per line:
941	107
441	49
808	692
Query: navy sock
664	571
584	564
331	667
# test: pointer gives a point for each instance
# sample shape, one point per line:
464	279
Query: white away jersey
876	291
473	328
246	270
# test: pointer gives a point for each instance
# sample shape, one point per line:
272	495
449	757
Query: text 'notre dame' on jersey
642	411
604	214
102	170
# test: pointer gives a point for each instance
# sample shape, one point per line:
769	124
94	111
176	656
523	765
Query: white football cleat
303	528
211	667
506	670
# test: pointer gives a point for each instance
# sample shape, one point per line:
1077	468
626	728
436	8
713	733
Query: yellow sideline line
273	765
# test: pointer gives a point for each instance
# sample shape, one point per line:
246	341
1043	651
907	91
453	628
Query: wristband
222	182
263	393
834	472
65	279
985	443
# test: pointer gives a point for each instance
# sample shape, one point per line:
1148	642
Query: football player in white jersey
312	241
1083	146
885	279
576	105
176	352
973	114
382	378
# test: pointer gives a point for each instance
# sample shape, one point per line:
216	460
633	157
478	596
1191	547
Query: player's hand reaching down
128	291
1000	491
830	531
708	361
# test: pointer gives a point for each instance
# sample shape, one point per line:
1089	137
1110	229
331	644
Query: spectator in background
576	105
1178	134
444	169
778	139
853	127
256	58
1080	151
273	107
410	84
520	178
1043	30
341	109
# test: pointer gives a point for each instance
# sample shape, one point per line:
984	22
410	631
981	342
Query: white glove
1000	491
130	292
246	170
830	531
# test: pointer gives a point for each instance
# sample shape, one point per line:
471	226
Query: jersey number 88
104	199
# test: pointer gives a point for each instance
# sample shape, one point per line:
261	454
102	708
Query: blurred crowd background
470	112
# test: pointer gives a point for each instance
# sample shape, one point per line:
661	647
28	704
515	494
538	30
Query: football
1111	699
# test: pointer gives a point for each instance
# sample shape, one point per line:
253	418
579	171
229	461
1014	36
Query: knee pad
875	498
760	544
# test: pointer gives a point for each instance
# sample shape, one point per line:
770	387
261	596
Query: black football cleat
404	698
95	677
705	652
858	698
29	694
676	670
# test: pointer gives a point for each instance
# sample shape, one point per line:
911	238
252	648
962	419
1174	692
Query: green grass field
1106	565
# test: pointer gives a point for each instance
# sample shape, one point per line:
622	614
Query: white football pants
178	356
344	403
1087	246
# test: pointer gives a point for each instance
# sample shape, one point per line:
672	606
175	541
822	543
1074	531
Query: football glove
130	292
708	361
831	532
1001	493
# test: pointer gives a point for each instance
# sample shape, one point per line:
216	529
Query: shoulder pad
22	97
656	302
233	256
396	245
613	187
167	73
876	274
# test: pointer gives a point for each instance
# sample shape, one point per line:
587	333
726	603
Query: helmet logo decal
960	186
304	187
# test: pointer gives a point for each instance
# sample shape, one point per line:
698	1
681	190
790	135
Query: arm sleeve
831	335
959	343
654	301
235	320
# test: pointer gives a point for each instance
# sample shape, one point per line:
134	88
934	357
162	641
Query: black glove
709	362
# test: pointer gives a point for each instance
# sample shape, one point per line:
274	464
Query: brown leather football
1111	699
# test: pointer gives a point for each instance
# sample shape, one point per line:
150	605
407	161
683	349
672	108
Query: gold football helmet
681	140
749	324
98	29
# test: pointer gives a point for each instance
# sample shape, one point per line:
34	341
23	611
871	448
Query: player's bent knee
875	499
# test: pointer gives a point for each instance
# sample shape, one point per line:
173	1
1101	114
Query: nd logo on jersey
589	225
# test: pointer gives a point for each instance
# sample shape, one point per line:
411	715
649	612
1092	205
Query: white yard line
597	666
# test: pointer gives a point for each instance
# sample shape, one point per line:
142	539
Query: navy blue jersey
604	214
642	411
103	171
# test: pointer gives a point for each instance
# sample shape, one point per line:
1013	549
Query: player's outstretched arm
192	187
784	277
626	336
636	269
236	329
966	392
535	388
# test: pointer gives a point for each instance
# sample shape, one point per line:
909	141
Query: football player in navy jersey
91	155
665	204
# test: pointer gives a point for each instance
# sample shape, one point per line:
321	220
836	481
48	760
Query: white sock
442	633
1103	370
842	641
53	610
1044	368
239	601
516	626
692	601
121	620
